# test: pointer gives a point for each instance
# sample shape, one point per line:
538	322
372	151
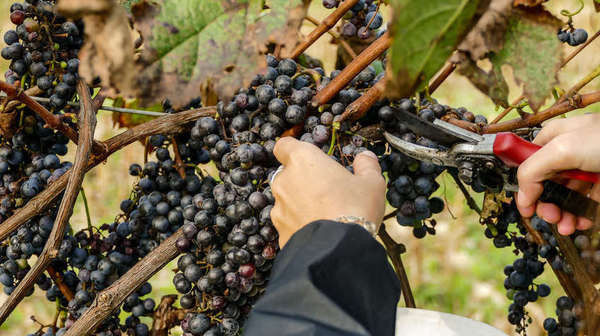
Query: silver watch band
367	225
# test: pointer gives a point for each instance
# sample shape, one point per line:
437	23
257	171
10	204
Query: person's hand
572	143
312	186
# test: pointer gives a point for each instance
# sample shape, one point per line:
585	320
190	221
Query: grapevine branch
579	101
351	70
393	250
564	62
14	103
98	106
579	85
360	106
52	120
336	37
444	74
109	299
328	23
87	125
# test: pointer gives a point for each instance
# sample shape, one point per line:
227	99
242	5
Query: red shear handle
513	150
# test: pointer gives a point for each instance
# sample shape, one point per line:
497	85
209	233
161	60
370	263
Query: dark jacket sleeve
330	279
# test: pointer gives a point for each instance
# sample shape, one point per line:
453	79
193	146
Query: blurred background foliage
456	271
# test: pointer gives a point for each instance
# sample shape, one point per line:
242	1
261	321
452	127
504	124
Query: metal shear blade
421	153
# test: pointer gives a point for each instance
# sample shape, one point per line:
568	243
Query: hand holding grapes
572	143
315	187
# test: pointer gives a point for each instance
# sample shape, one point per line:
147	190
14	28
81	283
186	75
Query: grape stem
470	201
58	279
87	211
333	141
168	124
87	125
329	22
393	250
178	161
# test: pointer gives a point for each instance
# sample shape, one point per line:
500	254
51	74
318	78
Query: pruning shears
491	159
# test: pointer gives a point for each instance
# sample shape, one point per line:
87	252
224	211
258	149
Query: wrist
370	226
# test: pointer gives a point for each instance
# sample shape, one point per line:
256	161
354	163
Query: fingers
567	223
556	156
284	148
561	126
583	224
366	165
550	212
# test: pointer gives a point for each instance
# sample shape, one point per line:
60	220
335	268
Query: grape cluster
362	20
505	230
411	183
573	37
43	50
519	282
29	160
569	318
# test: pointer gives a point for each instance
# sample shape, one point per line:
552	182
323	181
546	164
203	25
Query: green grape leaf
533	52
425	33
193	47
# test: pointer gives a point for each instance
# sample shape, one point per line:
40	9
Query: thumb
366	164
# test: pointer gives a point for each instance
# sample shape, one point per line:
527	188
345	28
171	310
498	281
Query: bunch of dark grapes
411	183
505	230
573	37
569	318
43	50
362	20
29	161
230	241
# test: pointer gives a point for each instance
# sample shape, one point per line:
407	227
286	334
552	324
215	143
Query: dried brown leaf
7	124
108	49
79	8
488	34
